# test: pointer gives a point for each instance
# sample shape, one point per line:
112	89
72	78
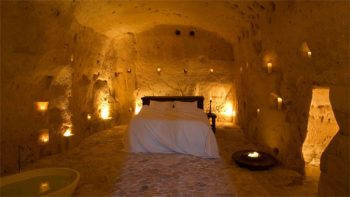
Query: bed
172	125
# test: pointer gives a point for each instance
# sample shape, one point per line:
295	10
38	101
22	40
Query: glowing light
89	117
43	136
309	53
253	154
42	106
138	106
68	133
159	69
279	103
269	67
211	70
44	187
258	110
104	111
228	110
233	113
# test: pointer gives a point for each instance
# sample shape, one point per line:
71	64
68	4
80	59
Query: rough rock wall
335	161
46	56
192	61
280	40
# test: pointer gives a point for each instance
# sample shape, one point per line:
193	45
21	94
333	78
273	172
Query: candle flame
253	154
68	133
42	106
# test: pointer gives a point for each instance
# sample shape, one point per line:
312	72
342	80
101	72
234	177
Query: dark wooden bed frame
200	99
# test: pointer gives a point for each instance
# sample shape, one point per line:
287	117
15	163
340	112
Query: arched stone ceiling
227	18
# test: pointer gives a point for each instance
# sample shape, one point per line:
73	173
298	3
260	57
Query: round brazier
254	160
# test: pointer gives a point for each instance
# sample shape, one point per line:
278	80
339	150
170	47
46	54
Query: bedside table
212	116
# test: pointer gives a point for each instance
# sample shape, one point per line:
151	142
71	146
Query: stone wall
335	174
46	56
192	61
281	40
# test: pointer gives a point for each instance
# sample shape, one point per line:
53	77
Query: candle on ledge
269	67
309	54
279	103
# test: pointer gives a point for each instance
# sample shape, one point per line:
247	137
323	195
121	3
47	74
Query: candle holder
210	106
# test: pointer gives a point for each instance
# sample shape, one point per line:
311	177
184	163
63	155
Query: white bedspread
159	131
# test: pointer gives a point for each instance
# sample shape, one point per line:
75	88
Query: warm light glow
68	133
104	111
88	117
233	113
321	128
228	110
43	136
44	187
279	103
269	67
211	70
258	110
138	106
159	69
309	54
305	50
253	154
42	106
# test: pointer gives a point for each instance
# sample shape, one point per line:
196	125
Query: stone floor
107	170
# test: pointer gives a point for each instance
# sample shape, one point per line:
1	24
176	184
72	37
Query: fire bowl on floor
254	160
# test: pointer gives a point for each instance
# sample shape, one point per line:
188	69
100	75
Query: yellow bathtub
41	182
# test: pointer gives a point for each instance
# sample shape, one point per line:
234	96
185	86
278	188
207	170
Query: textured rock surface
78	55
335	174
107	170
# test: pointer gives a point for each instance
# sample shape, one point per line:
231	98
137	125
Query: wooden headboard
200	99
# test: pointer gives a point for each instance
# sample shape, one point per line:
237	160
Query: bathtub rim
67	190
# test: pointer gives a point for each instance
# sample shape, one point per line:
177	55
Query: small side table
212	116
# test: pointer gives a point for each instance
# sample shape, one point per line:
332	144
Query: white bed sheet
180	131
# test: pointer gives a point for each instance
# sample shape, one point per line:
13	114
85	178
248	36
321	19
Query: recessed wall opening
322	126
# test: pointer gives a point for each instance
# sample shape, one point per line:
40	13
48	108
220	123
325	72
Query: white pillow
163	105
186	105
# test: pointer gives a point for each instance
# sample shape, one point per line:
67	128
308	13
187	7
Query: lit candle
68	133
42	106
253	154
43	136
279	103
88	117
269	67
309	53
159	70
211	70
